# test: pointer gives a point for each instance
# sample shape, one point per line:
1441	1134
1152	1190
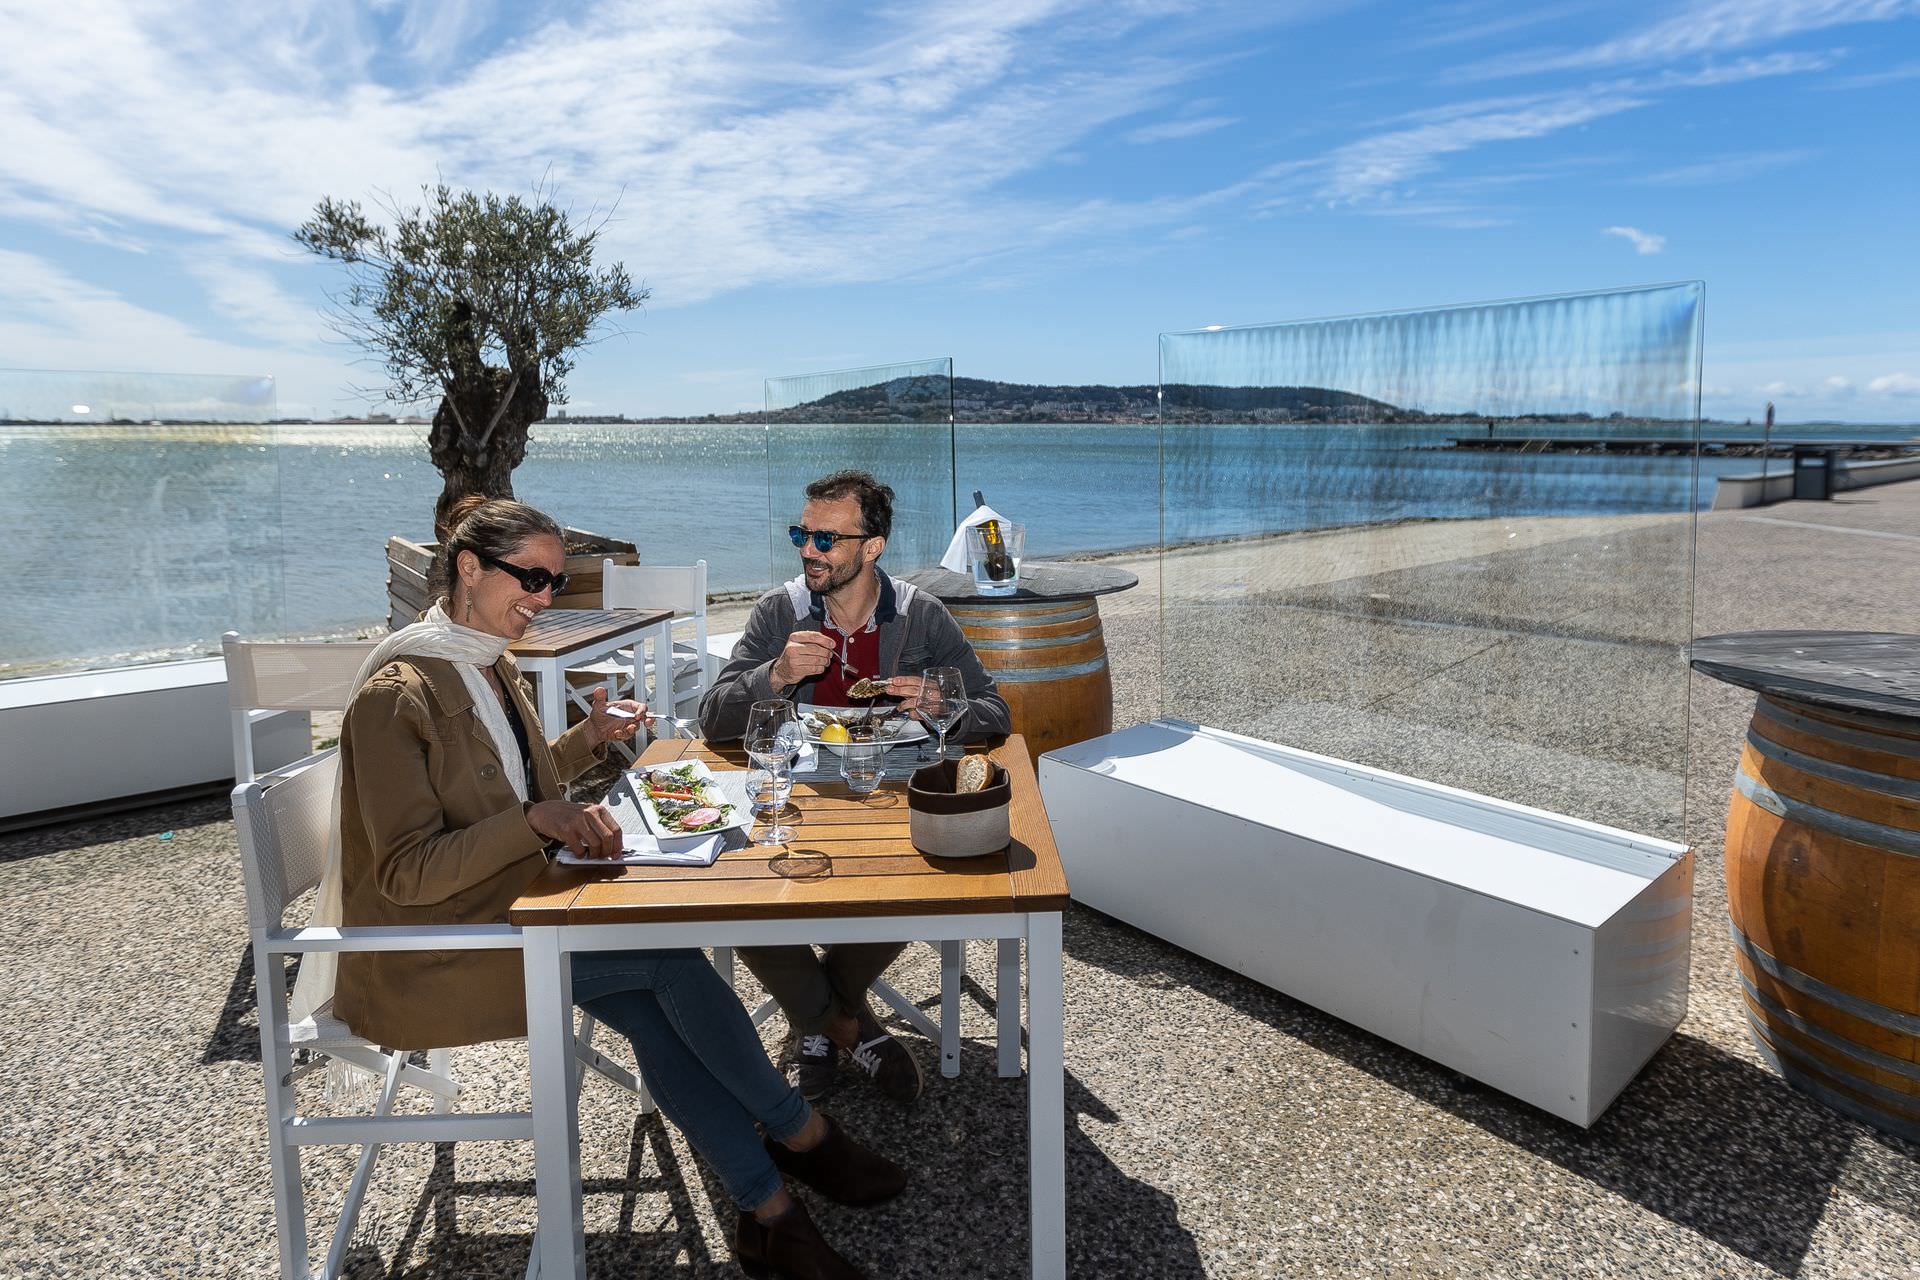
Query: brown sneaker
814	1059
840	1169
887	1062
790	1247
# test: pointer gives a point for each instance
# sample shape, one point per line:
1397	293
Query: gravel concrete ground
1216	1128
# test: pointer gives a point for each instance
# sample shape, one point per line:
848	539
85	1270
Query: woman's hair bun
463	507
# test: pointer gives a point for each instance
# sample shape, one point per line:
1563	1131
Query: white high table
880	889
563	638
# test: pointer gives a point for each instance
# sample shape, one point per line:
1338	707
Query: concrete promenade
1216	1128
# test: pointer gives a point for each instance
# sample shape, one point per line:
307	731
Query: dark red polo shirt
862	649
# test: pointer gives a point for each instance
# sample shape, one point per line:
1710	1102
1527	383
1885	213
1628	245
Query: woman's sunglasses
534	580
824	540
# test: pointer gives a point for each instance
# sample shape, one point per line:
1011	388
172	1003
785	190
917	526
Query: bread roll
972	775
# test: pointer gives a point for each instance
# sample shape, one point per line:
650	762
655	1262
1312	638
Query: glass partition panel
143	514
1452	543
894	420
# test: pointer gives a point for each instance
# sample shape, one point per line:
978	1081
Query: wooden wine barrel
1049	659
1823	891
1043	645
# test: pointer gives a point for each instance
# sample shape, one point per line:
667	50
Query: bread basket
946	825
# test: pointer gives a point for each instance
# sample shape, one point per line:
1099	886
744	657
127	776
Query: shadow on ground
1706	1140
965	1213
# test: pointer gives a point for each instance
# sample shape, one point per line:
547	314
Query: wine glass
943	700
772	746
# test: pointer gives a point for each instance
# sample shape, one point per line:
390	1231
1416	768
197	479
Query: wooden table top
558	632
874	870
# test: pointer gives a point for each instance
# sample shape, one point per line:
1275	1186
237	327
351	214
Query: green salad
686	802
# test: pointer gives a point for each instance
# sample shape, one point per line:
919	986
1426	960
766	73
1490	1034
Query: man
842	619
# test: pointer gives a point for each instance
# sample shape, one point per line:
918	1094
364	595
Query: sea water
131	543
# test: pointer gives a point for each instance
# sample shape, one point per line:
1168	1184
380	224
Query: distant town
978	400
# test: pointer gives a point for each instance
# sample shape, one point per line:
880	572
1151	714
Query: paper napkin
955	560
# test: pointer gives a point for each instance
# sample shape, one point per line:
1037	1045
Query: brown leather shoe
790	1248
840	1169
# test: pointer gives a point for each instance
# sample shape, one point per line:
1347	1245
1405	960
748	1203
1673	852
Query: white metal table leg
1007	1006
553	694
556	1127
1046	1096
953	956
723	965
662	682
440	1062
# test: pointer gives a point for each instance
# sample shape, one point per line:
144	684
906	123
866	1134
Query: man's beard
838	577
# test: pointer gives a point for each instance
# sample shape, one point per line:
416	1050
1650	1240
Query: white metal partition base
1543	955
561	1237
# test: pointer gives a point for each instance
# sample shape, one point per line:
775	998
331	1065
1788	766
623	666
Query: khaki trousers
810	988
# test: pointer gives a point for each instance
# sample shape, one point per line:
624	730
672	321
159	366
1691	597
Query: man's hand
807	654
587	829
905	688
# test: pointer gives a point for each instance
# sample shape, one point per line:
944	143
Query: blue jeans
700	1057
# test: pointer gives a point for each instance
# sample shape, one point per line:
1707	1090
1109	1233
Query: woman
449	795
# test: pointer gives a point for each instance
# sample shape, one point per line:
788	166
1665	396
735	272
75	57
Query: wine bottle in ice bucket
995	563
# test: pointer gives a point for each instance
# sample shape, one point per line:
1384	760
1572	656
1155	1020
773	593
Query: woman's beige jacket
432	833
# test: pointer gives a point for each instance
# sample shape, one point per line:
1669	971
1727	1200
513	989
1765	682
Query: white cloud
1169	130
1645	243
751	150
1837	387
1874	79
1718	26
1781	390
50	319
1896	384
1728	168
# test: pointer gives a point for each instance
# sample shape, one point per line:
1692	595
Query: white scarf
434	636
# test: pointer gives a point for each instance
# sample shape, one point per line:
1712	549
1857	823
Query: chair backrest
299	675
284	830
679	587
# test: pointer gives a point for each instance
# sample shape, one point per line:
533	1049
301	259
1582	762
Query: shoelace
867	1054
815	1047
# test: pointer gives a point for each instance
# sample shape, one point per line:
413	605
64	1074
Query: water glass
985	559
861	765
768	789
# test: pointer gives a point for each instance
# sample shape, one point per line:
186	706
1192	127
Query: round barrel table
1823	862
1042	644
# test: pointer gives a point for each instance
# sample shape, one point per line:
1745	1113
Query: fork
678	724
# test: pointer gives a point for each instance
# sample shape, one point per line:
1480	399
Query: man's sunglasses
534	580
824	540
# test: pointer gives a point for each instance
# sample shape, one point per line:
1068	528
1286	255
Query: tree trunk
467	462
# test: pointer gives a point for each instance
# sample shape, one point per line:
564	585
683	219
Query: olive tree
477	299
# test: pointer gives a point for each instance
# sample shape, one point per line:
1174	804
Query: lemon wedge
834	733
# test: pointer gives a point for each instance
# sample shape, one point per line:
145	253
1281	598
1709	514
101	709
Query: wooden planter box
1543	955
408	564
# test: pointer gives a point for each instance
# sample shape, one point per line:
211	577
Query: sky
1036	188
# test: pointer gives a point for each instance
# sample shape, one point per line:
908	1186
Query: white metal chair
284	825
268	676
683	589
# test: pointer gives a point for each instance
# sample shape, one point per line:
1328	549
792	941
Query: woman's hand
587	829
604	727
